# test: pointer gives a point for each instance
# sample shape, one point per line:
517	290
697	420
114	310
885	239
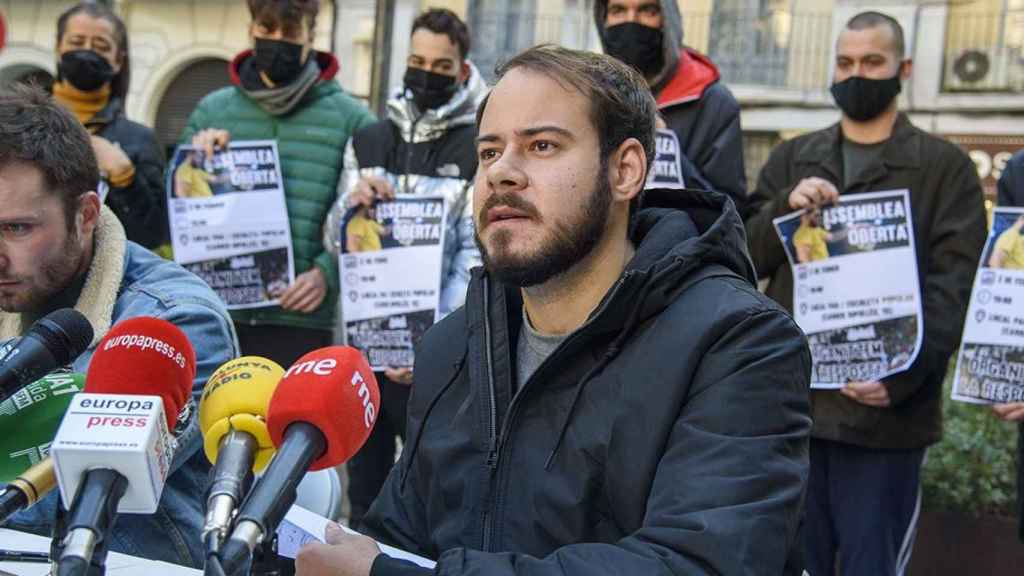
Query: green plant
972	470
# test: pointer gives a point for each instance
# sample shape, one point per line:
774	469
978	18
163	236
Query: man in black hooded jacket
615	397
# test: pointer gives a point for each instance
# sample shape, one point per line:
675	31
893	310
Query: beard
55	275
568	242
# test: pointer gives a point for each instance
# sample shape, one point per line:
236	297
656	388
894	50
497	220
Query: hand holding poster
856	292
391	276
229	221
990	365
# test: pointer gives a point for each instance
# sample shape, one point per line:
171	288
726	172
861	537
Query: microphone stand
98	562
265	560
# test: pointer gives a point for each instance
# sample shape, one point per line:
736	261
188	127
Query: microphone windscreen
29	419
236	398
66	332
145	356
333	389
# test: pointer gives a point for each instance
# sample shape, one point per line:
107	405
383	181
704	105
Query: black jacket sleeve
954	247
769	200
141	206
748	406
1011	183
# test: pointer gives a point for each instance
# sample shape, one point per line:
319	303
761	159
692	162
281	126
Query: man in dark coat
870	437
1011	193
615	397
648	35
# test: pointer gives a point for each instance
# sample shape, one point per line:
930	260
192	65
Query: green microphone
29	419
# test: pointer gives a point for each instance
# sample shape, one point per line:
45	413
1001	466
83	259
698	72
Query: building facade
775	55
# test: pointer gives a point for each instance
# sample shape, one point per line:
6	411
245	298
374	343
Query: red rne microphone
113	449
319	416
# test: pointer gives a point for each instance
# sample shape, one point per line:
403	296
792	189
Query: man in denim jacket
60	247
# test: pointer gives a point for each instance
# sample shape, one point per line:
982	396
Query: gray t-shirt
856	157
532	349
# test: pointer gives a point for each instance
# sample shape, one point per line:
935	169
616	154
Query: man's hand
1013	412
868	393
109	156
401	376
368	190
211	139
343	555
306	293
813	193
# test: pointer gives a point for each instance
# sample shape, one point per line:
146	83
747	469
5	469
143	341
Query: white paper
229	221
119	564
990	364
391	276
300	526
856	292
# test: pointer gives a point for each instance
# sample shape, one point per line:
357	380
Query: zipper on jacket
498	440
492	460
408	154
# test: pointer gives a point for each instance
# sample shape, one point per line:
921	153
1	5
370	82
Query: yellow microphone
233	420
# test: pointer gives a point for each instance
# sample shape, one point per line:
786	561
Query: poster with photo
990	364
666	170
856	292
390	269
229	221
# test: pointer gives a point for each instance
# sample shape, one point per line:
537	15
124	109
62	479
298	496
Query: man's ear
627	170
906	68
464	72
87	216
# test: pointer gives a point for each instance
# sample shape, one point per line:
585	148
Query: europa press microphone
233	420
321	413
28	421
53	341
114	447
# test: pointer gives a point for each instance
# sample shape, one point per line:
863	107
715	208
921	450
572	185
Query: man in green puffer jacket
285	90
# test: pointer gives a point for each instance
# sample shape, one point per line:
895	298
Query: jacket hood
693	75
430	125
672	30
328	64
678	234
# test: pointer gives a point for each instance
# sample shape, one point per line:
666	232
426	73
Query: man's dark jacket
668	435
142	205
1011	194
948	212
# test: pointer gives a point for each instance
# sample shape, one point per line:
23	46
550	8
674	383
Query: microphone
233	420
321	413
53	341
113	449
28	421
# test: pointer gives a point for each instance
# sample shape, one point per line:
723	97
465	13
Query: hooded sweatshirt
695	105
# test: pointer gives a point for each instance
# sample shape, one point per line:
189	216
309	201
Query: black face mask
429	89
637	45
279	60
85	69
863	99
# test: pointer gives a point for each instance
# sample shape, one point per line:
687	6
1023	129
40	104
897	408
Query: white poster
990	366
390	269
667	170
856	292
229	221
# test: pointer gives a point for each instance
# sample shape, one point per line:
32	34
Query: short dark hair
444	21
872	19
621	104
288	14
35	130
119	84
